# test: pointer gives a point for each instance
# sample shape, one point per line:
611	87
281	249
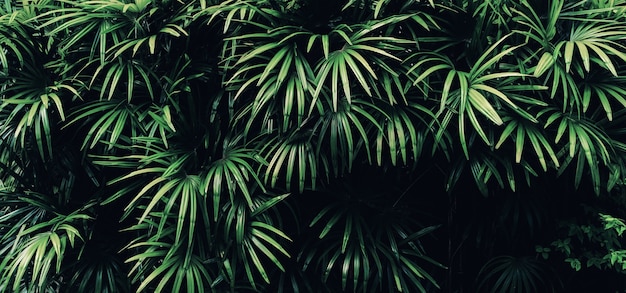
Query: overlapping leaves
201	133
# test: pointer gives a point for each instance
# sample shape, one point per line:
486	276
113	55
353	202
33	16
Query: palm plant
510	274
191	140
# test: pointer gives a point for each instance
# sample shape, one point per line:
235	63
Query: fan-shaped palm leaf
586	142
515	274
343	132
368	253
274	68
37	247
351	59
296	159
471	92
400	133
161	266
521	130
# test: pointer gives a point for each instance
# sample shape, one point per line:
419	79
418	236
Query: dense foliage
312	146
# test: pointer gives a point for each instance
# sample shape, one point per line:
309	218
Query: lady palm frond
368	249
403	132
596	10
596	43
198	204
356	45
294	158
257	240
597	38
606	90
538	25
33	99
165	173
587	142
515	274
117	117
491	172
16	213
233	173
343	132
523	131
35	247
255	71
98	272
105	25
161	266
471	92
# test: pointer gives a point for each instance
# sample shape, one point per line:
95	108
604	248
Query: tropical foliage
311	146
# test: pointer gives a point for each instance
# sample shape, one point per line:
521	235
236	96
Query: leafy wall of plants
311	146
